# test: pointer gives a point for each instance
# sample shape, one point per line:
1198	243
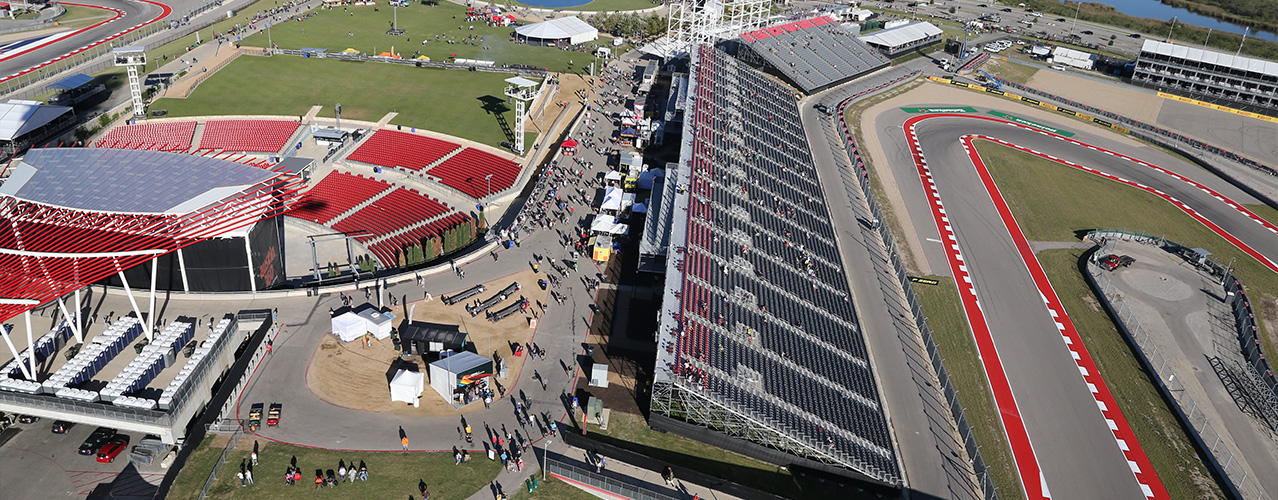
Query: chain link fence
977	463
601	482
1224	458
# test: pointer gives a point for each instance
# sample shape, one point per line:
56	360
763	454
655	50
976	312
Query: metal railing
979	468
1224	459
230	445
421	63
601	482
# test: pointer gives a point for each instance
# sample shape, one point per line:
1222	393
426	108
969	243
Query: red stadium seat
259	136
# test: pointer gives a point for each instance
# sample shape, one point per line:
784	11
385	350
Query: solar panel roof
130	181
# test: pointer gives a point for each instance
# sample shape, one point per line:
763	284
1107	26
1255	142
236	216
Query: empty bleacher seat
391	149
258	136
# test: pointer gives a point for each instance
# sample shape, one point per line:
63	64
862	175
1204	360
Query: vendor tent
570	29
458	371
612	199
407	386
420	337
612	175
376	322
349	326
607	224
569	147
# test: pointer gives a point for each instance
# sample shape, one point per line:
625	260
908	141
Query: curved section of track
1027	462
82	39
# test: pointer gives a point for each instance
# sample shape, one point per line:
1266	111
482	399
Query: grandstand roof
813	53
125	181
1211	57
557	29
19	118
903	35
72	82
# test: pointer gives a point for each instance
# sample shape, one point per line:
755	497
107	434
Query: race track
1069	438
126	16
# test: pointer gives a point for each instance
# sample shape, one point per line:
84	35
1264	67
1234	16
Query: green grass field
391	474
1014	72
954	340
604	5
631	432
363	29
553	489
461	103
76	13
1056	203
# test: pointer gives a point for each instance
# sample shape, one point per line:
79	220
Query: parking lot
36	463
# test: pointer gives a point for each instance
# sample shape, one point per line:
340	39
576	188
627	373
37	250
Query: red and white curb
164	12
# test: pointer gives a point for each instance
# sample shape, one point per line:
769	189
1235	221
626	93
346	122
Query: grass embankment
461	103
553	489
390	474
631	432
1055	203
1184	34
363	29
1012	72
953	338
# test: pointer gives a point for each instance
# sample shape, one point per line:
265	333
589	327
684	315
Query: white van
1058	68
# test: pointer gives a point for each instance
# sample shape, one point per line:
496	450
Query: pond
1154	9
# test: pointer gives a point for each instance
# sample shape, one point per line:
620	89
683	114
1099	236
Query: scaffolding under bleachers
813	54
759	338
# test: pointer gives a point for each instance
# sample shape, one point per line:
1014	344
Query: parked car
1088	32
28	419
62	426
112	449
1111	262
1134	35
273	415
95	440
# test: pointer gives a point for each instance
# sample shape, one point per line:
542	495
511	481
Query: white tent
457	370
407	387
349	326
608	224
565	28
612	199
377	323
612	175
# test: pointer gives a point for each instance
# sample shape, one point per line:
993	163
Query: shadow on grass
497	107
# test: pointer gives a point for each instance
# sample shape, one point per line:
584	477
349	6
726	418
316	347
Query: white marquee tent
407	387
349	326
565	28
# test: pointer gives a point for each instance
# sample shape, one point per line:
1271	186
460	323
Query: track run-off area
1035	468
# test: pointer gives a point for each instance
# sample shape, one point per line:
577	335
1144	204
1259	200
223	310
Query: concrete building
1208	75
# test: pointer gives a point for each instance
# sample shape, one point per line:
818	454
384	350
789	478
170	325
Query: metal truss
696	22
671	399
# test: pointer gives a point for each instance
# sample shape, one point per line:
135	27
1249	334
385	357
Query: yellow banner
1217	107
1105	123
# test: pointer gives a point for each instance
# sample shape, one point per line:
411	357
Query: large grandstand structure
759	339
1209	75
813	54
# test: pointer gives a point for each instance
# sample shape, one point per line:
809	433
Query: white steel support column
4	332
186	285
248	256
146	325
150	310
26	316
79	324
75	327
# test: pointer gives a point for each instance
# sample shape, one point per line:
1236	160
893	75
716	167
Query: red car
112	449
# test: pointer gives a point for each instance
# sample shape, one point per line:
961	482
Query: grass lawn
553	489
367	34
391	474
461	103
195	470
631	432
605	5
1013	72
1056	203
954	339
1265	212
75	13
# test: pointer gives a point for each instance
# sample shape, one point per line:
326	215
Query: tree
953	10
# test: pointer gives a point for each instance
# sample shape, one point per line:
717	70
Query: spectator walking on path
404	441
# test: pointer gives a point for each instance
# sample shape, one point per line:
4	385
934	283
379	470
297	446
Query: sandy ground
1121	99
353	376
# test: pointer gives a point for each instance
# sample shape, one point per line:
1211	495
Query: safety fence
230	445
1224	459
601	482
979	469
521	69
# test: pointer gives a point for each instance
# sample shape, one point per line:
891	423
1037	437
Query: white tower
696	22
521	90
131	58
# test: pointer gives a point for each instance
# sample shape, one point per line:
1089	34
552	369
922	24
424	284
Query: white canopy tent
612	199
377	323
407	386
608	224
570	28
349	326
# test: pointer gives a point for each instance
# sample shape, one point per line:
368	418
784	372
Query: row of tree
432	248
629	24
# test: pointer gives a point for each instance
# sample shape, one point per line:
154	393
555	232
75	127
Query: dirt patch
1128	102
1092	303
354	376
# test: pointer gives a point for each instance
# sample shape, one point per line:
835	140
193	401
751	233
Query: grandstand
394	149
759	338
254	136
164	136
335	195
813	54
467	170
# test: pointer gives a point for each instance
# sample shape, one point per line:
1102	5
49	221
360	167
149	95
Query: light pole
489	178
269	43
545	457
1077	8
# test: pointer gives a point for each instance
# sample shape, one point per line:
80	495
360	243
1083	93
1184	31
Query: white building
570	30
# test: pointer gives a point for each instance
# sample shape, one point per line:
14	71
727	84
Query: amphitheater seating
387	249
399	209
335	194
259	136
166	135
391	149
466	172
